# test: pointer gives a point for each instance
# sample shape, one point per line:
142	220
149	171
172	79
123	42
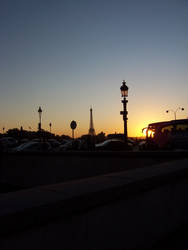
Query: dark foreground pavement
135	209
175	241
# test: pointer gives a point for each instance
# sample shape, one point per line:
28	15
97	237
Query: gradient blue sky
67	55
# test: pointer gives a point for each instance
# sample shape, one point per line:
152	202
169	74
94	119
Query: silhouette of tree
14	132
100	137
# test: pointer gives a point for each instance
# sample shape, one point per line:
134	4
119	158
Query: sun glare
148	132
144	131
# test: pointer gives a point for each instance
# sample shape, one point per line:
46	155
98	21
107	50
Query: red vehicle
169	134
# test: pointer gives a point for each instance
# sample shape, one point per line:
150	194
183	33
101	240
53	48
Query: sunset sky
68	55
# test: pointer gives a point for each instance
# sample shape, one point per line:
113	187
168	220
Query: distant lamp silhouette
124	94
40	117
3	130
174	111
50	125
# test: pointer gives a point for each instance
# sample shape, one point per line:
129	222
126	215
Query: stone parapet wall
125	210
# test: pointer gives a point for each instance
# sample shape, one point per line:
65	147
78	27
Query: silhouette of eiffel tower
91	127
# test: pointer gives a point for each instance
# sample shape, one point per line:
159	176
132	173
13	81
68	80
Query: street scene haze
93	124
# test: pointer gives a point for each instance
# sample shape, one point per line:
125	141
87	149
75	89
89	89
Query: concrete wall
125	210
29	170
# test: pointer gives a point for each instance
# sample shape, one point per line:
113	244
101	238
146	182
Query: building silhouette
91	126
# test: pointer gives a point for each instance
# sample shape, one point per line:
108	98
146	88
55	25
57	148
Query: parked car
7	142
33	146
114	145
54	143
76	144
142	145
23	140
147	145
70	145
63	141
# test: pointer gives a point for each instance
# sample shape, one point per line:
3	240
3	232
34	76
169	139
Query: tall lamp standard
40	116
124	94
174	111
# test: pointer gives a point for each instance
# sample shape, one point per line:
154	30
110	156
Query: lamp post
3	130
50	125
40	116
124	94
174	111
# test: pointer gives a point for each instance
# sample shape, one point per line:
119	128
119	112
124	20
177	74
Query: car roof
108	141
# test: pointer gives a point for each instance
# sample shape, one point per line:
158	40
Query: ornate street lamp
174	111
124	94
40	116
